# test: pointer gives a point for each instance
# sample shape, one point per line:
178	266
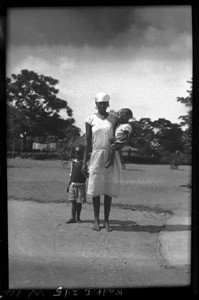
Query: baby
122	132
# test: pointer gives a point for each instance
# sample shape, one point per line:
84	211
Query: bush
10	154
46	156
170	158
166	158
40	156
186	160
134	159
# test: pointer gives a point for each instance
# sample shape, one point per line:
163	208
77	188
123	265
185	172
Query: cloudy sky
140	56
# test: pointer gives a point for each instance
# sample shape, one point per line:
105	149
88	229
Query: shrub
166	157
45	156
40	156
170	158
134	159
11	154
186	160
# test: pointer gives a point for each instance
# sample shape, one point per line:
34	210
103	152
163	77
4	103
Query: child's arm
71	169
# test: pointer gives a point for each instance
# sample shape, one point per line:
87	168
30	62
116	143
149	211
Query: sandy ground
47	253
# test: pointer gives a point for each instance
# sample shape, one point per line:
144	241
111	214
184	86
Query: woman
102	180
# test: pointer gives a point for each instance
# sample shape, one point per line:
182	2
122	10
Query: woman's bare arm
87	146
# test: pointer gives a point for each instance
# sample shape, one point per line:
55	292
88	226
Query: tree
187	120
33	106
14	124
153	138
168	136
142	136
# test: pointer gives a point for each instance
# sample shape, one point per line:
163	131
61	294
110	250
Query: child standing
122	132
77	186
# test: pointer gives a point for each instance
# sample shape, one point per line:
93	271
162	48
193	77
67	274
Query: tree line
33	108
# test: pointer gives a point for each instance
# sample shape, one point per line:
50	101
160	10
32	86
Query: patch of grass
150	188
188	185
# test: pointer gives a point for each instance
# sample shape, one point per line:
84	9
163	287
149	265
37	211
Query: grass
145	187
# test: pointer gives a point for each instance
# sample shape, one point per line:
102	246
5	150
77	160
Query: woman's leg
107	208
96	208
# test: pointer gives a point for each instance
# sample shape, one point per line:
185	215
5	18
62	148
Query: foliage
167	136
187	120
33	107
142	136
142	159
40	156
171	158
161	138
12	154
152	138
71	133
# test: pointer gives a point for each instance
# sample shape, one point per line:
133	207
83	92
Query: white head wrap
102	97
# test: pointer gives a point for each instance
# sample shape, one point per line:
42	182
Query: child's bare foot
96	227
108	164
71	221
79	220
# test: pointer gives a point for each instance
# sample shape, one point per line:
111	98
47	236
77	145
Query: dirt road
46	253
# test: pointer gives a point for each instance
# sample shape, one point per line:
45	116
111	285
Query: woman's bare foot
107	227
96	227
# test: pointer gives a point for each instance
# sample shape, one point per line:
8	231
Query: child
77	186
122	132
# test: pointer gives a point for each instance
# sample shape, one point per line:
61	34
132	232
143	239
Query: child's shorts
77	193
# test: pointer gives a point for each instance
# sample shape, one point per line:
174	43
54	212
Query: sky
140	56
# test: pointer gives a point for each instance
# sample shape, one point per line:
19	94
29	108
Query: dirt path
47	253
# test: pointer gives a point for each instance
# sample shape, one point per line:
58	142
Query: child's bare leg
79	208
73	212
110	160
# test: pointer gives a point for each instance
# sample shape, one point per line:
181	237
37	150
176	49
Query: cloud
173	17
65	63
29	62
79	26
69	93
99	26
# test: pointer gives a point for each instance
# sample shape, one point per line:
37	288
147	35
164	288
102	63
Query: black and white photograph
99	146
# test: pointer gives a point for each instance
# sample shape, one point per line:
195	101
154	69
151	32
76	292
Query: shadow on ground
23	167
133	226
135	170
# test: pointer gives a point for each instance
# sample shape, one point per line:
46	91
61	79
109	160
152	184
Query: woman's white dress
103	181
